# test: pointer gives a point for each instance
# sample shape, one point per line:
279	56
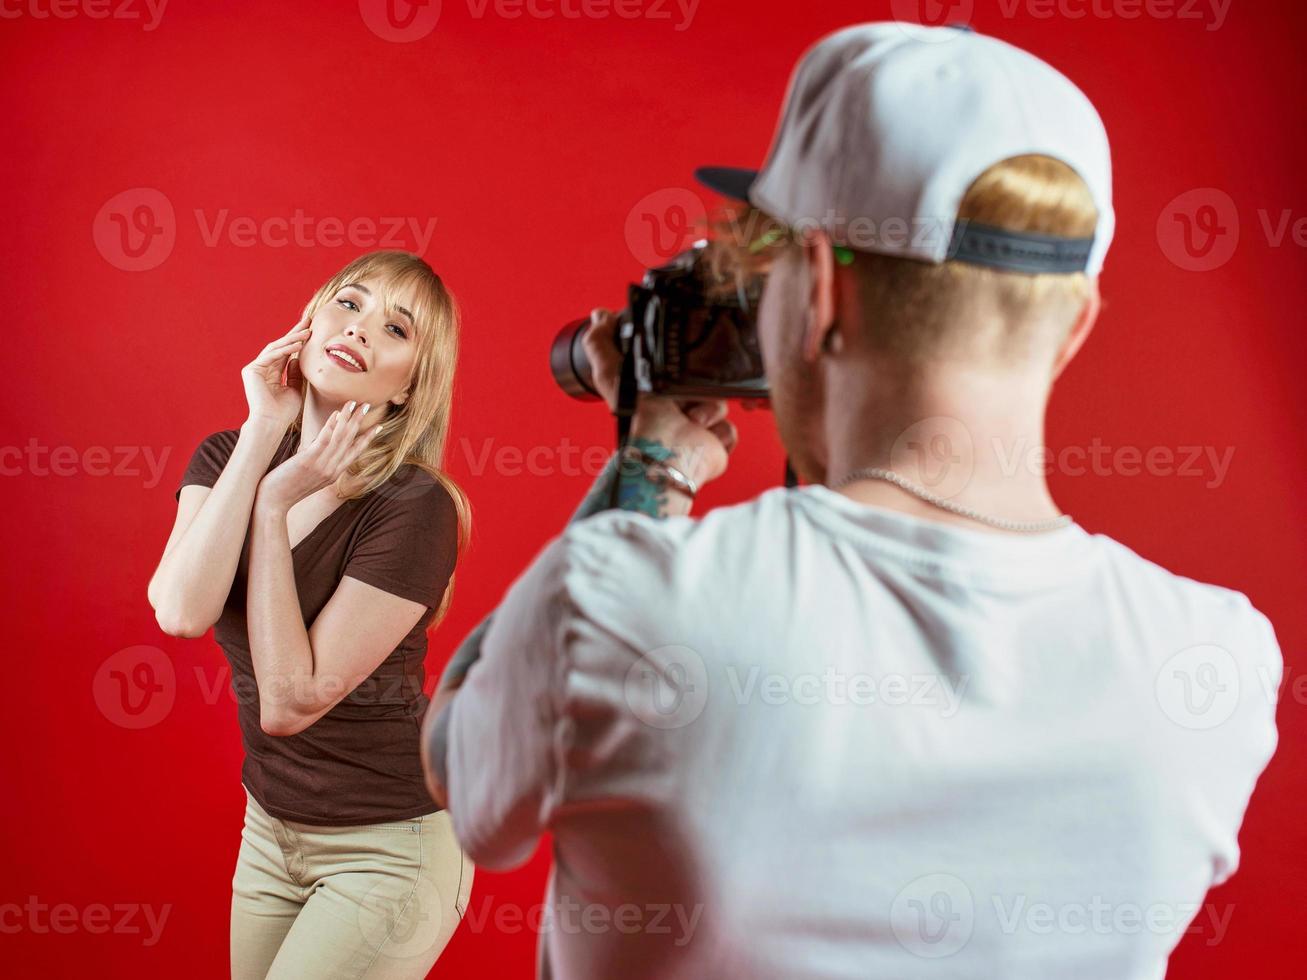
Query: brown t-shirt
359	763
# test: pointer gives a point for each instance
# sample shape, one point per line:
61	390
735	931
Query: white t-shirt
804	737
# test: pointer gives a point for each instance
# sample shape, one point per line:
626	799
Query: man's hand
698	432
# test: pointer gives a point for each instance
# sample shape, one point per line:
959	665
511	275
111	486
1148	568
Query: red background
533	143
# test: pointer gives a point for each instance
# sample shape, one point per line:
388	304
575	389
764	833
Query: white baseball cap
886	126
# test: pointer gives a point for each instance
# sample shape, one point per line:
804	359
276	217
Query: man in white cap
908	719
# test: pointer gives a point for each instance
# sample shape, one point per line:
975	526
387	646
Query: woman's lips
335	357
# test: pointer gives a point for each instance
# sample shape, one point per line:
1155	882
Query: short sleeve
407	543
499	761
1260	670
209	460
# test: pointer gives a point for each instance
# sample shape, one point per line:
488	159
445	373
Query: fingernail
349	408
366	406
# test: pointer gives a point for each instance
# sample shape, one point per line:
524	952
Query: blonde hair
920	311
416	431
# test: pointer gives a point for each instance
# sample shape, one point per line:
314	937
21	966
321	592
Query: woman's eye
352	305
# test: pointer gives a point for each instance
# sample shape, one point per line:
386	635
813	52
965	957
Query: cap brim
730	181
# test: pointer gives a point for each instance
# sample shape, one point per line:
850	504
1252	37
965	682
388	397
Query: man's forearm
637	493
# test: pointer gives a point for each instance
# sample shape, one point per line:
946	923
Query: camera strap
791	478
627	397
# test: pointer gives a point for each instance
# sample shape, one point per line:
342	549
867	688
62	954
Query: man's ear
1079	333
819	258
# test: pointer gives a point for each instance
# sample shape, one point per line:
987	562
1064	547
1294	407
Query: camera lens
567	360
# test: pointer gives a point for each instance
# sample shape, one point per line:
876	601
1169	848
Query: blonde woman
319	540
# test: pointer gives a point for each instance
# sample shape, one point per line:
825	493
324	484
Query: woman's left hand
321	463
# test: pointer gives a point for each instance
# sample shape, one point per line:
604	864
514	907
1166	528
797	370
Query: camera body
690	337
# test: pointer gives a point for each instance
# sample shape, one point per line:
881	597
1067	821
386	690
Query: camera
691	331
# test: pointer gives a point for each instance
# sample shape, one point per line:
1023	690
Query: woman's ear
399	399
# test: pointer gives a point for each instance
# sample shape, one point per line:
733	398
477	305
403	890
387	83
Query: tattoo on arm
637	493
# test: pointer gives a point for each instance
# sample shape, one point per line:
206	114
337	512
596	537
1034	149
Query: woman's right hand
269	398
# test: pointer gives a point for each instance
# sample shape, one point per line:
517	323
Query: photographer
908	719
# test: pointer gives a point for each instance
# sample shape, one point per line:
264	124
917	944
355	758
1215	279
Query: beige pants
372	901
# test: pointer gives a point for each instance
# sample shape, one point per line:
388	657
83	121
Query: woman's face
358	350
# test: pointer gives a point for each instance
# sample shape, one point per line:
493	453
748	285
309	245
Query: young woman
319	540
